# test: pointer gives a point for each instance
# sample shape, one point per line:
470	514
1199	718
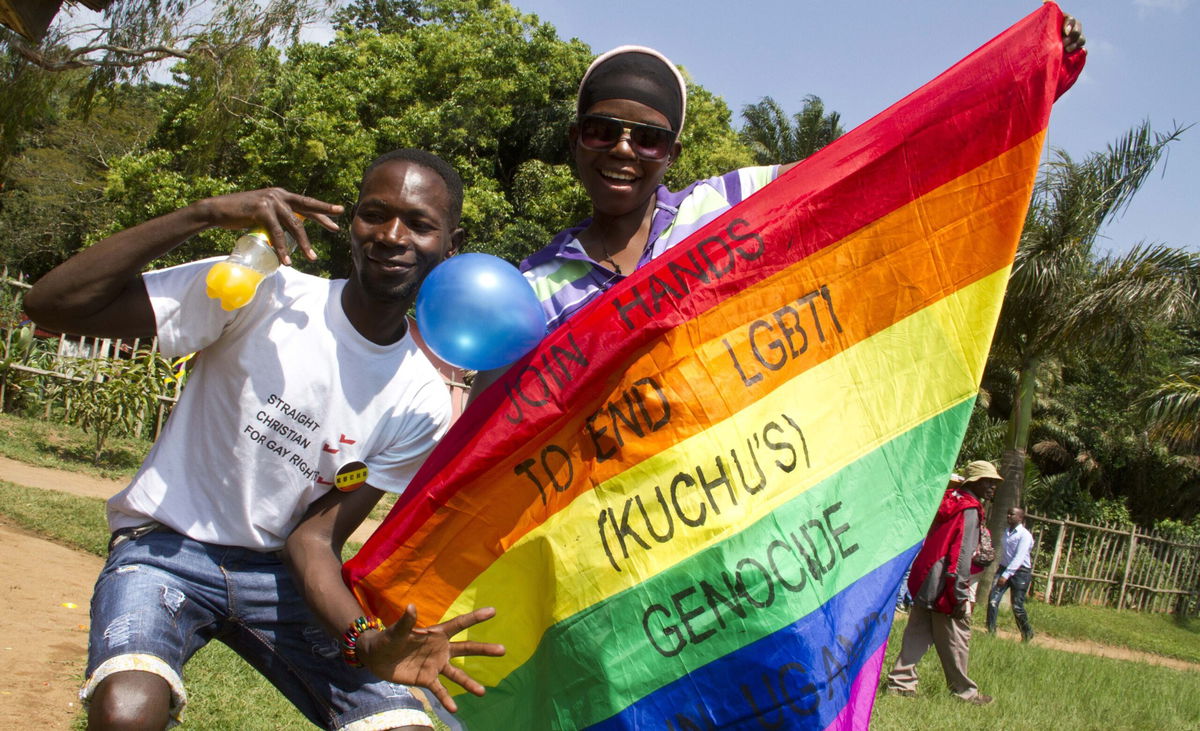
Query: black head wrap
640	74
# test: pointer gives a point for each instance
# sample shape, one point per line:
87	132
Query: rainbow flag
692	504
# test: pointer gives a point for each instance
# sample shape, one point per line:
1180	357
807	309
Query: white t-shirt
284	393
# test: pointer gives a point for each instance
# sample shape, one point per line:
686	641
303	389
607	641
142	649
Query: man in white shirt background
1015	572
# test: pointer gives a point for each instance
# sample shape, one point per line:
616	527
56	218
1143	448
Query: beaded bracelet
350	638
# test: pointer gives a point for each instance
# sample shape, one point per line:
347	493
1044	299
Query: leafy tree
1173	407
383	16
1090	443
710	146
1061	300
132	38
193	148
1090	433
133	35
774	138
54	192
30	97
984	436
486	92
486	87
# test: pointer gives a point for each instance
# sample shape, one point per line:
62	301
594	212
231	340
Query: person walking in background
942	589
1015	572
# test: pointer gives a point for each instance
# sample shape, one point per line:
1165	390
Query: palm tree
773	138
1173	409
1062	299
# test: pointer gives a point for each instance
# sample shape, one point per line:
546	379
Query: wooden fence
1118	566
64	363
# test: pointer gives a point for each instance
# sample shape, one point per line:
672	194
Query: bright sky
860	56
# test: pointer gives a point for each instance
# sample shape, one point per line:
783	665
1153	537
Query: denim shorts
162	596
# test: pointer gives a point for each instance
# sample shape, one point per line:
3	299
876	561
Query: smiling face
617	181
402	228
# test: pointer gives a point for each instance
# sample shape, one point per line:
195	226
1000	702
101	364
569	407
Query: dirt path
1087	647
43	629
75	483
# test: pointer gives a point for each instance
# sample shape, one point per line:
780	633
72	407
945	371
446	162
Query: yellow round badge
351	476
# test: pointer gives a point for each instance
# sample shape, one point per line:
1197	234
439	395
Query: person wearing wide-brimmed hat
942	590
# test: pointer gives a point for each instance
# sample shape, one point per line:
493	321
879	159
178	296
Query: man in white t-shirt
302	406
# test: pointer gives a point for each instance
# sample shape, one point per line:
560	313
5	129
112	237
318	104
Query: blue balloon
476	311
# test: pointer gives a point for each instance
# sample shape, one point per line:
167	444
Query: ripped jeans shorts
163	596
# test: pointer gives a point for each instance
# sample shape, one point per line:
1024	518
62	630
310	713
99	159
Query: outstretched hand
406	654
272	209
1072	33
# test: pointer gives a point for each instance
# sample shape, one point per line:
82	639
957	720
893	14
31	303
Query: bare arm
401	653
313	552
99	291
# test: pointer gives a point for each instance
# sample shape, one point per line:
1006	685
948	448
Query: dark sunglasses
603	133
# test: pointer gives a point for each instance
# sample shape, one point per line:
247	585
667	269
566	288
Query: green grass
1160	634
384	506
74	521
65	447
1039	688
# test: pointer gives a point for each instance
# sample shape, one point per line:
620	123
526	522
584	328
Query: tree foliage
133	35
1064	302
54	193
131	39
488	88
1173	407
774	138
1090	438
